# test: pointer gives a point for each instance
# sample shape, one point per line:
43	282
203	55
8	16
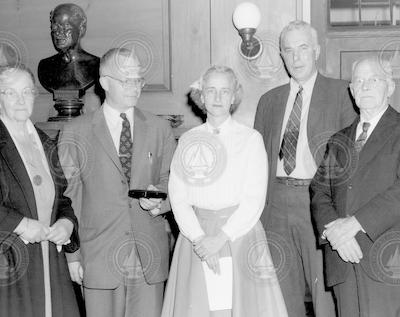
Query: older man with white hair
356	199
124	255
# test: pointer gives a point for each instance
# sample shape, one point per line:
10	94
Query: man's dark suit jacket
331	109
367	187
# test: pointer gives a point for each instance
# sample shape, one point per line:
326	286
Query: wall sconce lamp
246	19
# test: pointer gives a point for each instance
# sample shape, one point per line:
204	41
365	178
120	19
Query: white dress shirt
243	182
305	164
373	122
114	122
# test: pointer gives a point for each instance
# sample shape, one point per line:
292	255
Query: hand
152	205
60	231
213	263
350	251
342	230
76	272
209	245
35	231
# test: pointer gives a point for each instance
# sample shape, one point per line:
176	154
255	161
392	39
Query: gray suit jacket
368	187
331	109
109	220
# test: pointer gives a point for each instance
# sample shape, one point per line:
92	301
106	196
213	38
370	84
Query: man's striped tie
291	135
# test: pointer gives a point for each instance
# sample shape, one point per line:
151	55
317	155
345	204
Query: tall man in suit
124	254
356	199
296	121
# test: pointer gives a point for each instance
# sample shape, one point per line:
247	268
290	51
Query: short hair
6	70
110	55
196	93
383	65
77	16
299	25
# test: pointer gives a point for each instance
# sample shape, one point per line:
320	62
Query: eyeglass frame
33	93
125	83
371	82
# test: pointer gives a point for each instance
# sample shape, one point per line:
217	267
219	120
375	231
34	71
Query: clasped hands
207	247
341	233
151	205
32	231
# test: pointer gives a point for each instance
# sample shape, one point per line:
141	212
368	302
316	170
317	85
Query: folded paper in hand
219	286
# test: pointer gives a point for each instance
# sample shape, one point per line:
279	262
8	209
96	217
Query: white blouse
243	182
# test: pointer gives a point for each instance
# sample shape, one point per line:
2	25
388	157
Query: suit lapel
14	161
380	135
139	138
102	133
314	112
278	112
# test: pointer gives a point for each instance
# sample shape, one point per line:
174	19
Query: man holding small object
114	158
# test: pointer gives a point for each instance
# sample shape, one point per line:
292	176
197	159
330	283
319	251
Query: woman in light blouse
217	189
37	223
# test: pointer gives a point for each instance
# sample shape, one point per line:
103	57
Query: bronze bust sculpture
72	71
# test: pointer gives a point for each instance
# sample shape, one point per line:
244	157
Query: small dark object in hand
141	193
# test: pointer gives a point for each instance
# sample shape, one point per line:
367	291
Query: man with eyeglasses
356	199
124	254
296	120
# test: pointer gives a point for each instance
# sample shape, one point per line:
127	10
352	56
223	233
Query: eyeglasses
13	96
129	82
373	81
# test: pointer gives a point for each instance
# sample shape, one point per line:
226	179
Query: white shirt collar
113	115
223	127
375	119
307	86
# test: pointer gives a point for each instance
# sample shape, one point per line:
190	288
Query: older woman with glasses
37	222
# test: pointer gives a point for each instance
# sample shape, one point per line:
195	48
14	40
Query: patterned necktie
362	138
125	147
291	135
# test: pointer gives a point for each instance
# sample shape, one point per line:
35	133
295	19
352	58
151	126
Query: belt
289	181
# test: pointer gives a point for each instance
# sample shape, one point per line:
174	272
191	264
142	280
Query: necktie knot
123	116
366	126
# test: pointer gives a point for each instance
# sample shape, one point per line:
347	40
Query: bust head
68	26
